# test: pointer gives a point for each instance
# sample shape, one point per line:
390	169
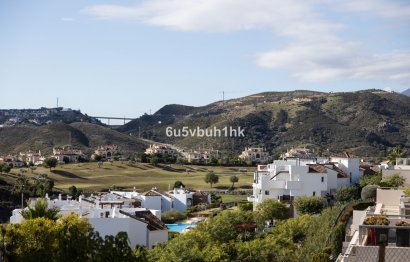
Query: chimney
59	197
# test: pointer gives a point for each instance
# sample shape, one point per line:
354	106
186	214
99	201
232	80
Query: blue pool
179	227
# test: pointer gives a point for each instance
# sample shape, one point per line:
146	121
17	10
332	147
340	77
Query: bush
369	192
245	206
393	181
347	193
171	217
309	205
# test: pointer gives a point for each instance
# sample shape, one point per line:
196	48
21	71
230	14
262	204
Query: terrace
383	231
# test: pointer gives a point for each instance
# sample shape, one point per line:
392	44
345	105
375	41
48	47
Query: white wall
157	236
152	202
136	230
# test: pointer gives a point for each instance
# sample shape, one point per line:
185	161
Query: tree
74	191
211	178
309	205
75	239
6	168
154	160
347	193
21	186
369	192
50	162
40	209
370	179
271	210
42	185
178	184
233	180
395	153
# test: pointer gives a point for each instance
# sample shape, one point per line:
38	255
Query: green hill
366	123
85	136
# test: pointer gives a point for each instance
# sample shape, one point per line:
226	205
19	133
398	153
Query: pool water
179	227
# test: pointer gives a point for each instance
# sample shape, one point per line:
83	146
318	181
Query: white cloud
381	8
315	51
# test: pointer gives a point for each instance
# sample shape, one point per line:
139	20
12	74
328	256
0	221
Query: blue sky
125	58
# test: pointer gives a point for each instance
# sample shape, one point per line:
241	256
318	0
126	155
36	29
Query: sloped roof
151	193
316	168
145	216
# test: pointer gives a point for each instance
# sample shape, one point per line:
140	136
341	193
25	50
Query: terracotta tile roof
317	168
168	195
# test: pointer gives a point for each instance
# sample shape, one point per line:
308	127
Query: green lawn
141	176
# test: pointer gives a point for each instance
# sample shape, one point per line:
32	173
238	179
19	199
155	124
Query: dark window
323	179
314	193
266	192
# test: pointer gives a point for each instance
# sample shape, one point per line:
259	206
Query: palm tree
40	209
395	153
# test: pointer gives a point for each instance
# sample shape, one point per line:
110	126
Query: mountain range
365	123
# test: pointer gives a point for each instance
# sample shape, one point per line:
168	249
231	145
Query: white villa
73	155
109	217
106	152
202	155
35	157
177	199
375	243
161	149
255	154
285	179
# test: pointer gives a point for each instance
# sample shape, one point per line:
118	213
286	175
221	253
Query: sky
126	58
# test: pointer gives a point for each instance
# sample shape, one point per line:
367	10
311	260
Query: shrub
309	205
171	217
347	193
369	192
377	220
245	206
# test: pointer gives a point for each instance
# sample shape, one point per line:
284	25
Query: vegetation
211	178
50	162
271	210
369	192
67	239
309	205
40	209
140	176
233	179
392	181
347	194
394	153
178	184
170	217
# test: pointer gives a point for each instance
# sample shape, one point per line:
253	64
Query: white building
255	154
73	155
202	155
34	157
109	218
289	178
161	149
177	199
106	152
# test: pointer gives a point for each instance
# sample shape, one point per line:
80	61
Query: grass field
91	177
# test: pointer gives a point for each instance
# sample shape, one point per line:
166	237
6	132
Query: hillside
366	123
85	136
406	92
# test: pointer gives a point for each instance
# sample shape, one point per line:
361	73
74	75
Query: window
323	179
314	193
266	192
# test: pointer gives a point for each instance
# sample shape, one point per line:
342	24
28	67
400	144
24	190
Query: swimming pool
180	227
